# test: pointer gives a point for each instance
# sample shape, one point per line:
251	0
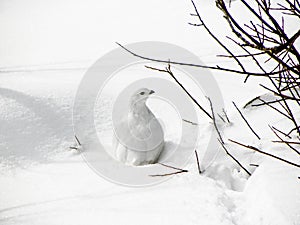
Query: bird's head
140	96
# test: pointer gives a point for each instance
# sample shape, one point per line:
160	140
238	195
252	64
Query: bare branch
216	39
172	167
226	116
279	131
200	66
198	163
234	159
187	121
282	113
77	140
168	70
265	153
214	120
286	142
169	174
246	121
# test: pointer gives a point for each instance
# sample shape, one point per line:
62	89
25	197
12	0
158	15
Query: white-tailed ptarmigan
138	136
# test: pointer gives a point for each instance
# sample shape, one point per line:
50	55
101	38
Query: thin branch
234	159
250	54
253	43
285	142
289	142
251	101
287	107
258	16
265	103
168	70
169	174
198	163
226	115
246	121
265	153
172	167
190	122
196	24
282	113
279	131
216	39
200	66
243	56
78	144
294	129
214	120
221	118
77	140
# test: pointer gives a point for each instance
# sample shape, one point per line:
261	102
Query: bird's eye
142	93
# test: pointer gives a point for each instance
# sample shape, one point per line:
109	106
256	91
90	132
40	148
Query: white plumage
138	137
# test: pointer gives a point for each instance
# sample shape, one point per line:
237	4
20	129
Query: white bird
138	137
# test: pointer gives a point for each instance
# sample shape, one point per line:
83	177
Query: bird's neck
140	109
139	119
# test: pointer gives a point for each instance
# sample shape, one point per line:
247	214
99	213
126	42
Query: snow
43	181
273	188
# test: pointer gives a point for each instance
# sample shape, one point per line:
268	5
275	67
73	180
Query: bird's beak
151	92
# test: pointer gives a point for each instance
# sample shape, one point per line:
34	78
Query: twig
169	174
288	143
234	159
168	70
216	39
242	56
291	131
214	120
282	113
77	140
265	103
77	143
172	167
250	41
195	24
265	153
200	66
251	55
226	115
193	123
246	121
221	118
251	164
280	94
251	101
287	107
282	132
198	164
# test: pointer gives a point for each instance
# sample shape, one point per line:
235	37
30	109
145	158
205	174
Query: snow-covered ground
43	181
